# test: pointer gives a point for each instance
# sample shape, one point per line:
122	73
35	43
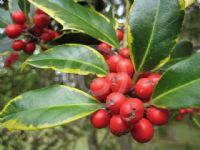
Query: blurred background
78	135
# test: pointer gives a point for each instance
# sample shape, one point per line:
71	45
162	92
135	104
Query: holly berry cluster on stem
26	35
124	110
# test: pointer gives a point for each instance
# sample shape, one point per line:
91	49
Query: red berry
132	110
154	78
144	88
125	65
37	31
39	12
114	102
143	131
189	110
18	45
110	77
121	83
100	88
179	117
103	47
182	111
124	52
29	48
112	62
13	30
46	37
100	118
120	35
12	58
19	17
145	75
117	126
41	20
157	116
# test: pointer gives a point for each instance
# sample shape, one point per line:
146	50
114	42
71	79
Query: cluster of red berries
187	111
125	112
27	35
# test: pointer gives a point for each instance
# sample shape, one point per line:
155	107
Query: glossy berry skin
110	77
124	52
132	110
114	102
157	116
142	131
29	48
112	62
182	111
117	126
120	35
19	17
100	88
18	45
41	20
154	78
103	47
100	119
46	37
13	30
121	83
125	65
144	88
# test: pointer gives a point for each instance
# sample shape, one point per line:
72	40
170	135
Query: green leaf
5	18
180	85
154	28
182	49
24	5
47	107
71	58
13	6
189	2
196	119
77	17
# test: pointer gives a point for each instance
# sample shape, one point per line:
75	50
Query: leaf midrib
174	89
151	38
70	60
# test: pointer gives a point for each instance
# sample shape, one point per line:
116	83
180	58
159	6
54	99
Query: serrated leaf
180	85
47	107
71	58
77	17
5	18
154	28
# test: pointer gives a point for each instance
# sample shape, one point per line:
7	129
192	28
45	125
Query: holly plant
144	74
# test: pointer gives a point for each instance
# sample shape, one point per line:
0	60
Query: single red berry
179	117
154	78
46	37
117	126
41	20
18	45
114	102
144	88
124	52
104	47
19	17
120	35
13	30
125	65
157	116
112	62
132	110
121	83
100	118
29	48
143	131
11	59
182	111
39	12
37	31
189	110
100	88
